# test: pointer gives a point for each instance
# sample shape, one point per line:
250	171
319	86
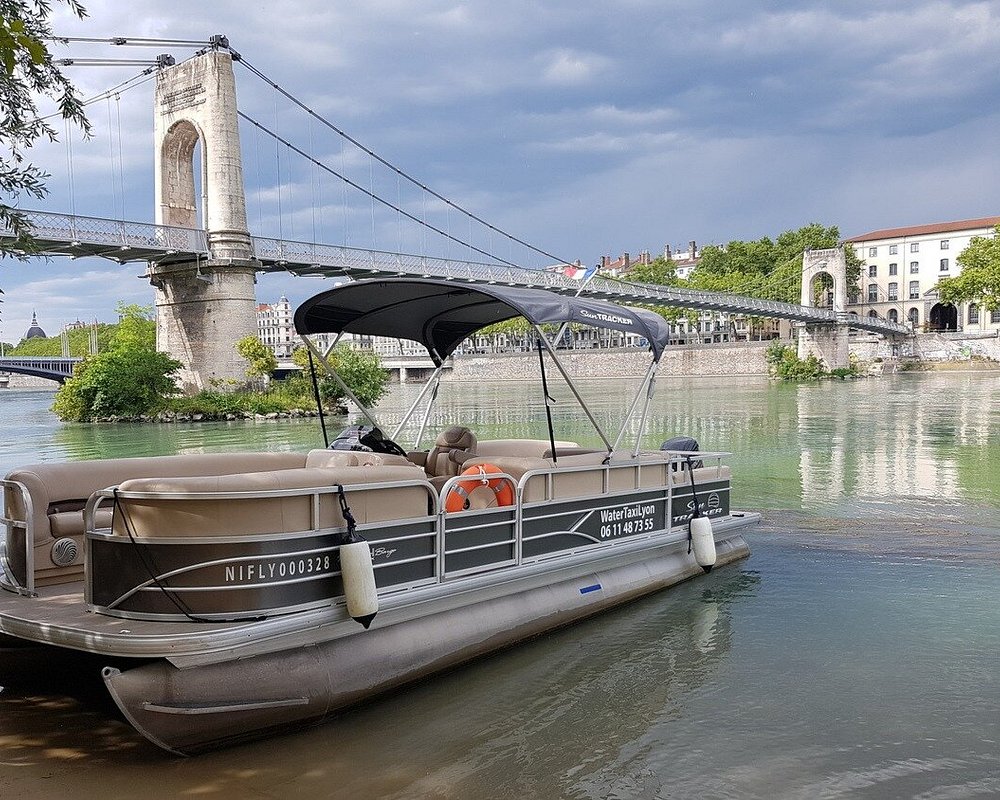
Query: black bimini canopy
441	314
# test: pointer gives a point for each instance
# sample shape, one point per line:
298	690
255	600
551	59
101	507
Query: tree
260	358
659	270
27	71
361	370
128	379
979	280
770	270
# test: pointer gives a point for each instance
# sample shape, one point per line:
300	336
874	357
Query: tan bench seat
168	517
57	493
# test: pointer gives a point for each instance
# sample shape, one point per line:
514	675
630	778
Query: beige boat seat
454	446
57	493
355	458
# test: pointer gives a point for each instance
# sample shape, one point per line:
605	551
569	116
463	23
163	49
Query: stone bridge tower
203	308
827	342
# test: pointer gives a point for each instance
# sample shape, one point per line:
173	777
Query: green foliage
770	270
260	358
361	370
979	280
128	379
79	342
659	270
288	395
786	364
27	72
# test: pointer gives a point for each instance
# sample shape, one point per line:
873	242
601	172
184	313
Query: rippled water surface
854	654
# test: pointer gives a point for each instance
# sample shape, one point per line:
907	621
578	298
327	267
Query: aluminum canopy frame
442	314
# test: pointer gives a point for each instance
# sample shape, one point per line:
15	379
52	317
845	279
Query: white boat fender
356	569
701	539
703	542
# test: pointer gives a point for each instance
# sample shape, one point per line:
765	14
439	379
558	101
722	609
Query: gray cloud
583	127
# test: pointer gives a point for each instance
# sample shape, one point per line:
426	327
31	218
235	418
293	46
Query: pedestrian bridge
77	236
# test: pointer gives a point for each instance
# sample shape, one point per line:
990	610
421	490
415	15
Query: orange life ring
458	497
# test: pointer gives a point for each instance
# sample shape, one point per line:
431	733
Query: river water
854	654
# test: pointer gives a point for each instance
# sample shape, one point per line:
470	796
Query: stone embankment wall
15	381
745	358
929	348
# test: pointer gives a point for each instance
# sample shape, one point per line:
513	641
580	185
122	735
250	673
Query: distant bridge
121	241
54	369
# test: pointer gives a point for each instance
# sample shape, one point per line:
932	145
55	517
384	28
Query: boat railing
464	542
8	574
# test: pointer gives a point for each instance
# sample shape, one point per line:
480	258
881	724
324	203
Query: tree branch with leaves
27	72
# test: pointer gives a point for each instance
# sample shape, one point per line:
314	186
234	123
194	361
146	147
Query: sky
584	128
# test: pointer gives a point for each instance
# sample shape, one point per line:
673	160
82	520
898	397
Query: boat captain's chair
454	446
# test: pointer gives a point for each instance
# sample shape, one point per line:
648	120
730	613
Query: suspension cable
121	88
406	176
364	191
111	155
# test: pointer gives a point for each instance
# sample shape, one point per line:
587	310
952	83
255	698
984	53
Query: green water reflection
900	442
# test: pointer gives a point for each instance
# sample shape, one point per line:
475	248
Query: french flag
578	273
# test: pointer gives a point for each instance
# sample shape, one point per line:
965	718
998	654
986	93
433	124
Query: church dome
35	332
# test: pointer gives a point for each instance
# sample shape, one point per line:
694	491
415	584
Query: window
944	265
914	267
893	249
995	316
944	244
915	247
893	315
973	314
914	317
893	268
872	252
893	291
872	270
872	292
914	290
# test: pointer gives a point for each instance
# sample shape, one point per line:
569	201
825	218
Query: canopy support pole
427	412
635	402
340	381
572	387
548	401
645	410
406	417
319	399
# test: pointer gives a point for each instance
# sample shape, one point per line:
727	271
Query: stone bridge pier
827	342
203	308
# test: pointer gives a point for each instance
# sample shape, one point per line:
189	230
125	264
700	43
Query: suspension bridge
203	260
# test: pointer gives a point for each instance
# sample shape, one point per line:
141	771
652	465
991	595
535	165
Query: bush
361	370
786	364
129	379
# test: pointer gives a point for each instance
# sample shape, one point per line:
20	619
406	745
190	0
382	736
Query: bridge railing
124	240
78	231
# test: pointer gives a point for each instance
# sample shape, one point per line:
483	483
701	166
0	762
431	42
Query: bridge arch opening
821	290
183	188
943	317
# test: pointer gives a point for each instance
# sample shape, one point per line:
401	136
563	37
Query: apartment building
902	267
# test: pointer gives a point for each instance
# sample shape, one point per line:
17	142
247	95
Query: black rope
319	399
153	572
697	507
351	536
548	401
